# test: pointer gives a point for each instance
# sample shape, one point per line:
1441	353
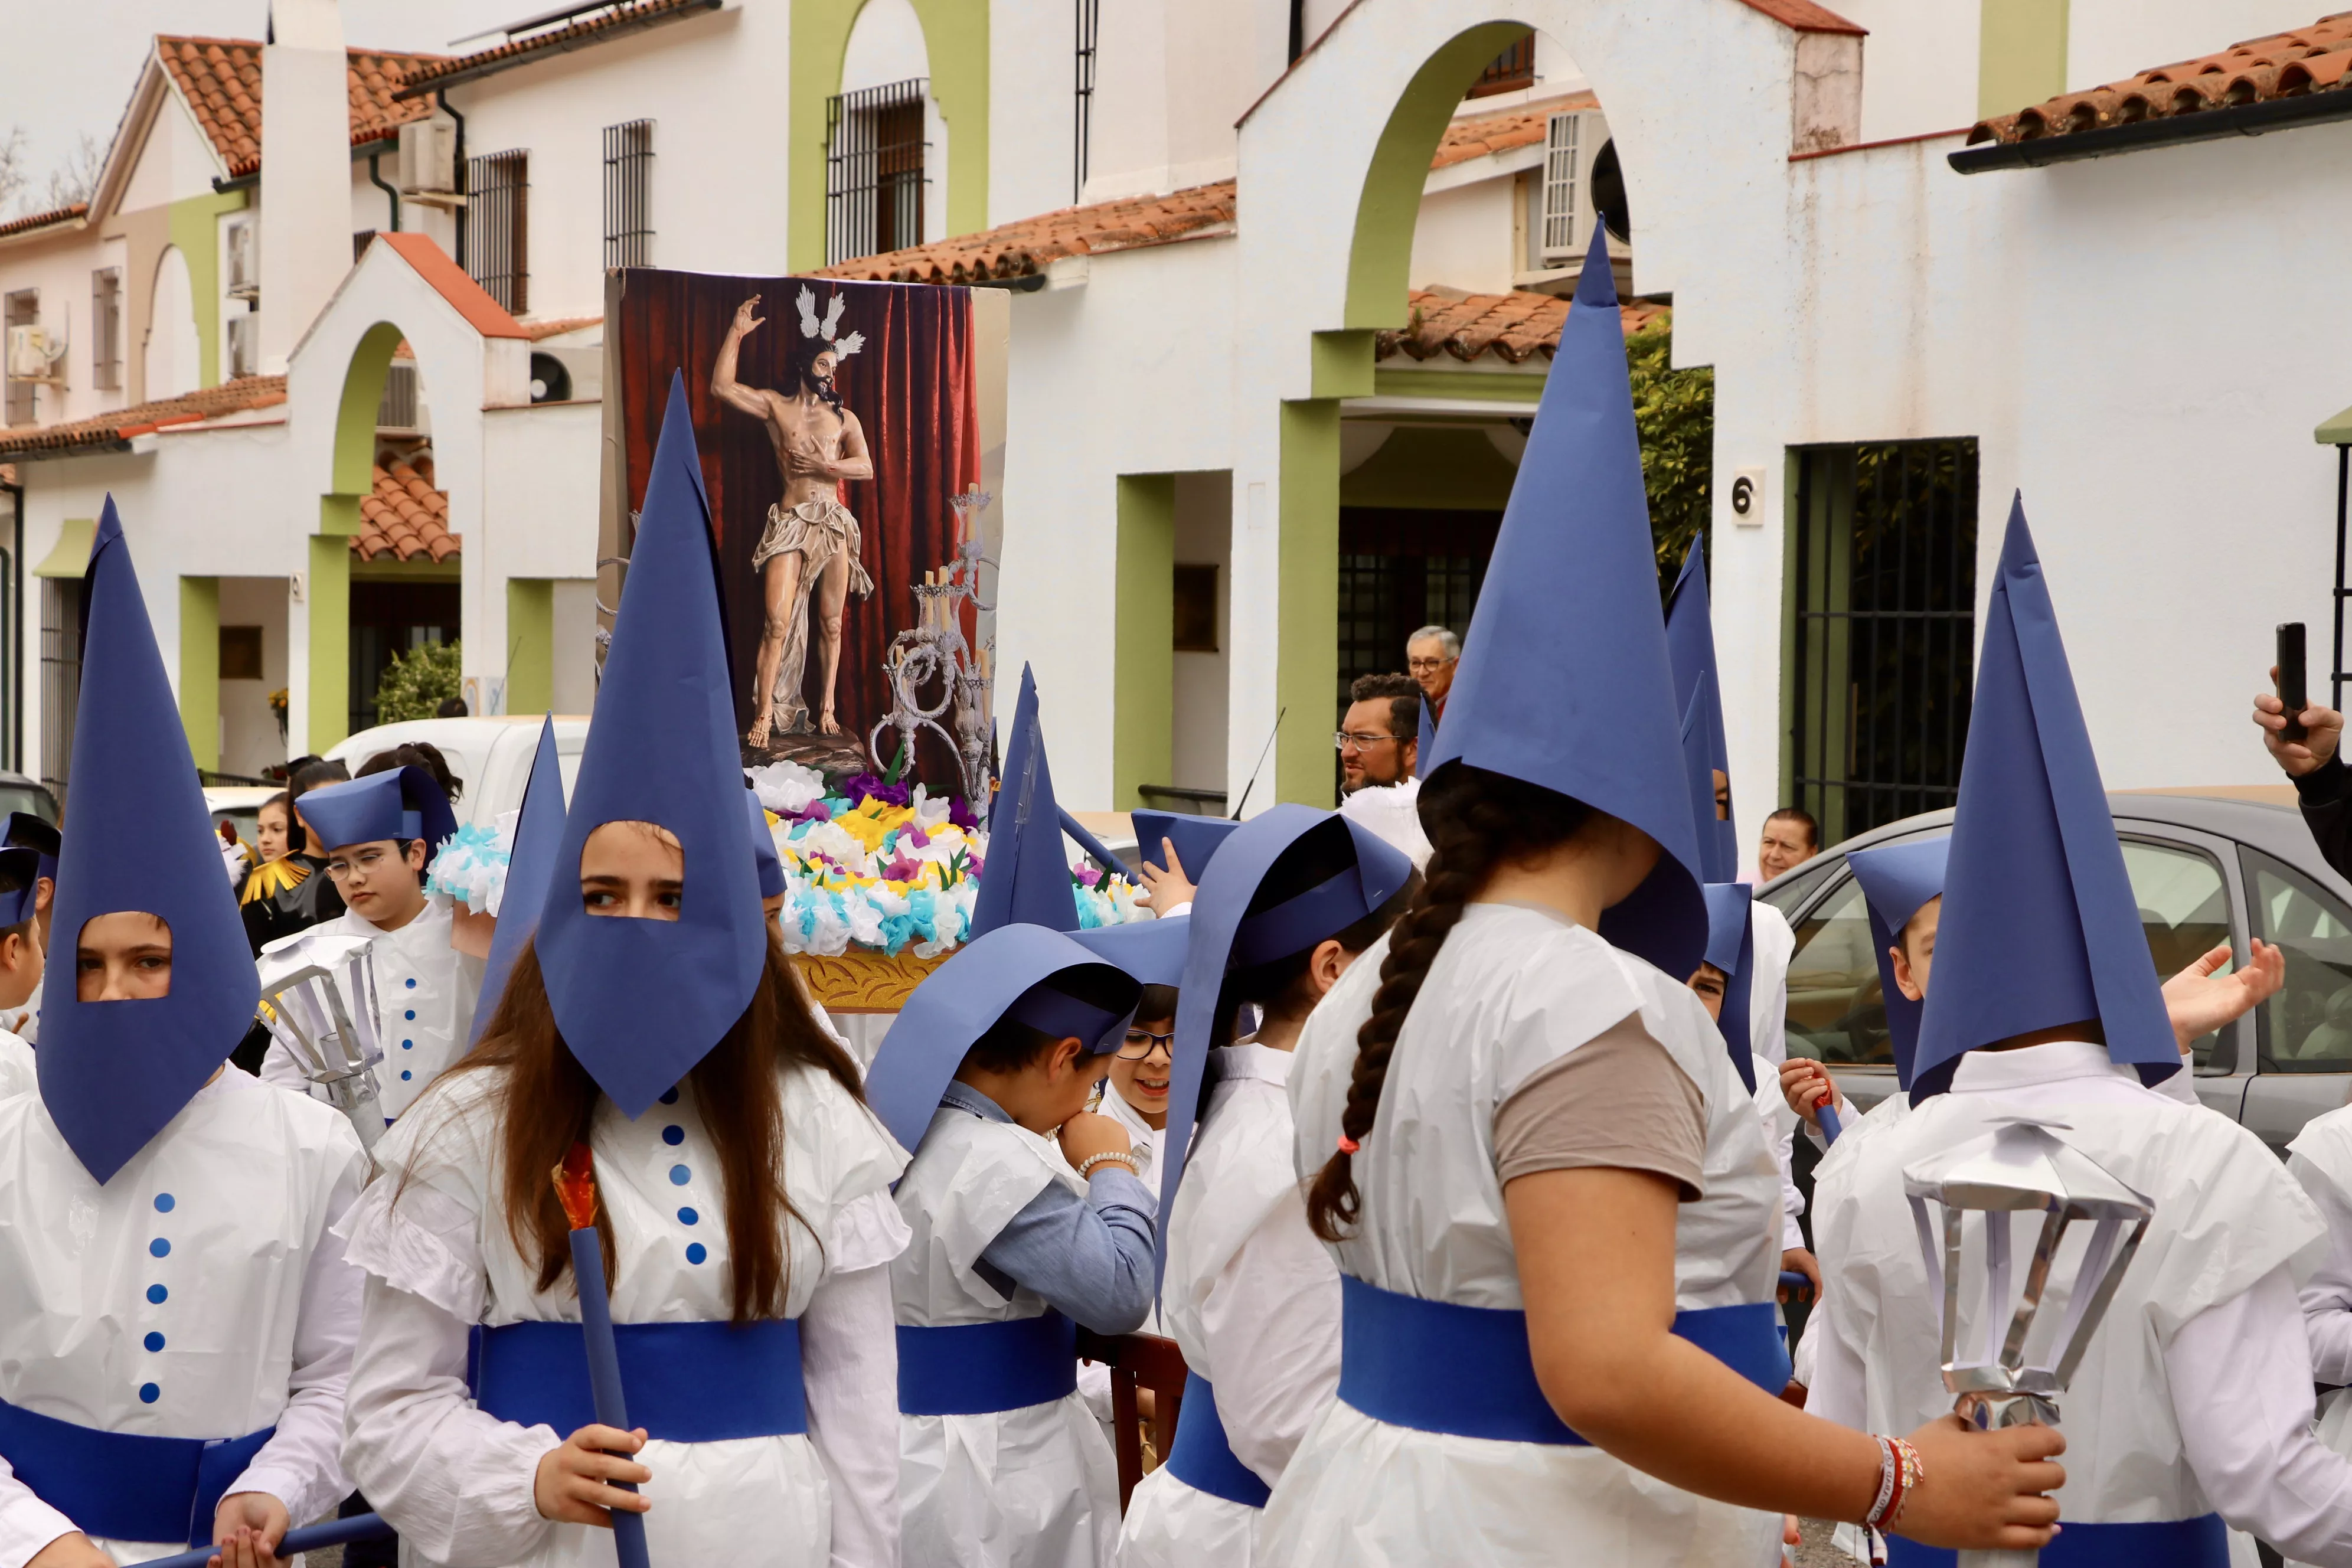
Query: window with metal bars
497	226
64	602
1882	643
1560	187
1400	569
628	173
106	328
1089	28
1509	71
874	173
23	308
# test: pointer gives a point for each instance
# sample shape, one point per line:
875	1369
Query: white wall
1464	236
171	348
575	647
1032	106
1172	78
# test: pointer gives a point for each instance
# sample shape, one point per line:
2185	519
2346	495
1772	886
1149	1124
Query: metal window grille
22	310
1089	31
1512	69
61	616
1883	646
1560	185
106	328
628	174
497	226
397	409
874	173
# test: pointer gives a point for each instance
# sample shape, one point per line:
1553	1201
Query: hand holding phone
2292	692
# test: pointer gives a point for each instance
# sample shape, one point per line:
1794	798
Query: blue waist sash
979	1369
2202	1543
1436	1366
686	1383
1202	1458
125	1486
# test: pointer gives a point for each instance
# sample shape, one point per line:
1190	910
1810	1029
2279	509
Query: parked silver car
2205	870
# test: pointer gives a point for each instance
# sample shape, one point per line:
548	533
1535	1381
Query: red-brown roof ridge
221	80
1021	249
403	517
1483	135
112	430
1513	327
592	28
2306	60
31	221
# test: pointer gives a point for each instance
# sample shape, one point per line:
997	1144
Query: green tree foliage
417	682
1675	412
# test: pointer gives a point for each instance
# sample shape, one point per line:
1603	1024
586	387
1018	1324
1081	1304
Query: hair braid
1475	819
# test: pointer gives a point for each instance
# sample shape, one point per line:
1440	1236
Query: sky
70	68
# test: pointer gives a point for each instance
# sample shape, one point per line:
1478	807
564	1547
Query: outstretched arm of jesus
723	384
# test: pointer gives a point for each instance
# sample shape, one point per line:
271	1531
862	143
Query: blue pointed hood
112	1073
1006	971
662	750
1196	838
1896	880
531	866
1025	880
1564	681
398	803
1698	699
1225	935
1731	947
2039	926
1425	737
1152	951
763	849
26	831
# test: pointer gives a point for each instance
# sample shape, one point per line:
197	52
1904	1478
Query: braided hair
1476	821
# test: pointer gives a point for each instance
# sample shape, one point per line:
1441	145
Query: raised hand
744	319
1167	890
2198	1000
1806	1084
2322	732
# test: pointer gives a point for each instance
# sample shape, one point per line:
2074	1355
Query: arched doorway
174	355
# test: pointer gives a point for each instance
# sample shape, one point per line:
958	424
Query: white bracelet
1087	1166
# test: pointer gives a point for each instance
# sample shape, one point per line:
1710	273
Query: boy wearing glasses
380	832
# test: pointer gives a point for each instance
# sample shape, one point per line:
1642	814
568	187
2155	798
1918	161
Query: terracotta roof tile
1482	135
2284	65
555	326
1804	17
1514	326
221	80
403	518
114	429
32	221
1019	249
594	28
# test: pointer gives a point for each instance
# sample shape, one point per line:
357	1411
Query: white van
490	756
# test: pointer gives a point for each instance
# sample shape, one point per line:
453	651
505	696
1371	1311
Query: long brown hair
548	1102
1475	820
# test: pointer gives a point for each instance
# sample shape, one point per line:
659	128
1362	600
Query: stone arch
172	352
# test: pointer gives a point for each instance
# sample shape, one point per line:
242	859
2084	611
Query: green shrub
1675	412
418	681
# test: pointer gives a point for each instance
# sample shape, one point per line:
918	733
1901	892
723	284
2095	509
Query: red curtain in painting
913	389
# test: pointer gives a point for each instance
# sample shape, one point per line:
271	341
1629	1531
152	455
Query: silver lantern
318	996
2023	1165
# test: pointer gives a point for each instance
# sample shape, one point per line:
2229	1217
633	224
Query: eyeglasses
1423	666
1141	1043
1342	740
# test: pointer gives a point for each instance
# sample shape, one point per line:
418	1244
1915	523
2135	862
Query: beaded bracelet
1899	1473
1087	1166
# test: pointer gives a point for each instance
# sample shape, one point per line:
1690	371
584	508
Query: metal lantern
318	996
2023	1165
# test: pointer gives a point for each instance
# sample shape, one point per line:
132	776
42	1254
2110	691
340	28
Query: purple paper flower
866	786
1087	875
960	814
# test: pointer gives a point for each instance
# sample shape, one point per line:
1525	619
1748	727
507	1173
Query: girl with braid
1556	1219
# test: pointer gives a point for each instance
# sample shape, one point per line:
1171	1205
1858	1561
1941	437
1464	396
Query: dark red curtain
913	390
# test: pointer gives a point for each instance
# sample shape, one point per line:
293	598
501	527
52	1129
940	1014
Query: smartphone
2292	693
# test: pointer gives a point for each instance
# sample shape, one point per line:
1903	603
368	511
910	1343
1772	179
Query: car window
1790	896
1837	1013
2307	1027
2184	910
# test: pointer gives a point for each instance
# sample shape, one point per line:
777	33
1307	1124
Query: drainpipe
12	654
458	159
376	178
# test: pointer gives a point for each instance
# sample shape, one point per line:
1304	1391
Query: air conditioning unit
428	158
243	344
32	356
243	263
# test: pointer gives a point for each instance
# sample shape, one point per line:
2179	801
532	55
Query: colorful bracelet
1899	1473
1087	1166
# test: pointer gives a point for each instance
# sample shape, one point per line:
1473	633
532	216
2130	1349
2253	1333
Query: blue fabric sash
121	1485
980	1369
686	1383
2202	1543
1202	1458
1436	1366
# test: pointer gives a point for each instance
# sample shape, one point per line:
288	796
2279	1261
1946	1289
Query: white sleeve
1781	1132
302	1464
1272	1322
456	1482
1838	1387
26	1523
2328	1294
2241	1376
849	1366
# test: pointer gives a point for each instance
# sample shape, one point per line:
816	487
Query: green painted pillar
200	668
1142	743
530	644
2021	54
330	596
1307	677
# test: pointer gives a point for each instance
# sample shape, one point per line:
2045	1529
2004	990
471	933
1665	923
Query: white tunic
426	991
19	1075
1254	1301
213	1245
1034	1488
1514	990
2194	1395
2321	1159
1772	945
432	1233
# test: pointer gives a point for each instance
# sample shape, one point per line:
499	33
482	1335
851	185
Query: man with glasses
1377	739
1429	654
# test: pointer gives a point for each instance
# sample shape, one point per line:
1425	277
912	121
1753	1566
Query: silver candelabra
932	670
